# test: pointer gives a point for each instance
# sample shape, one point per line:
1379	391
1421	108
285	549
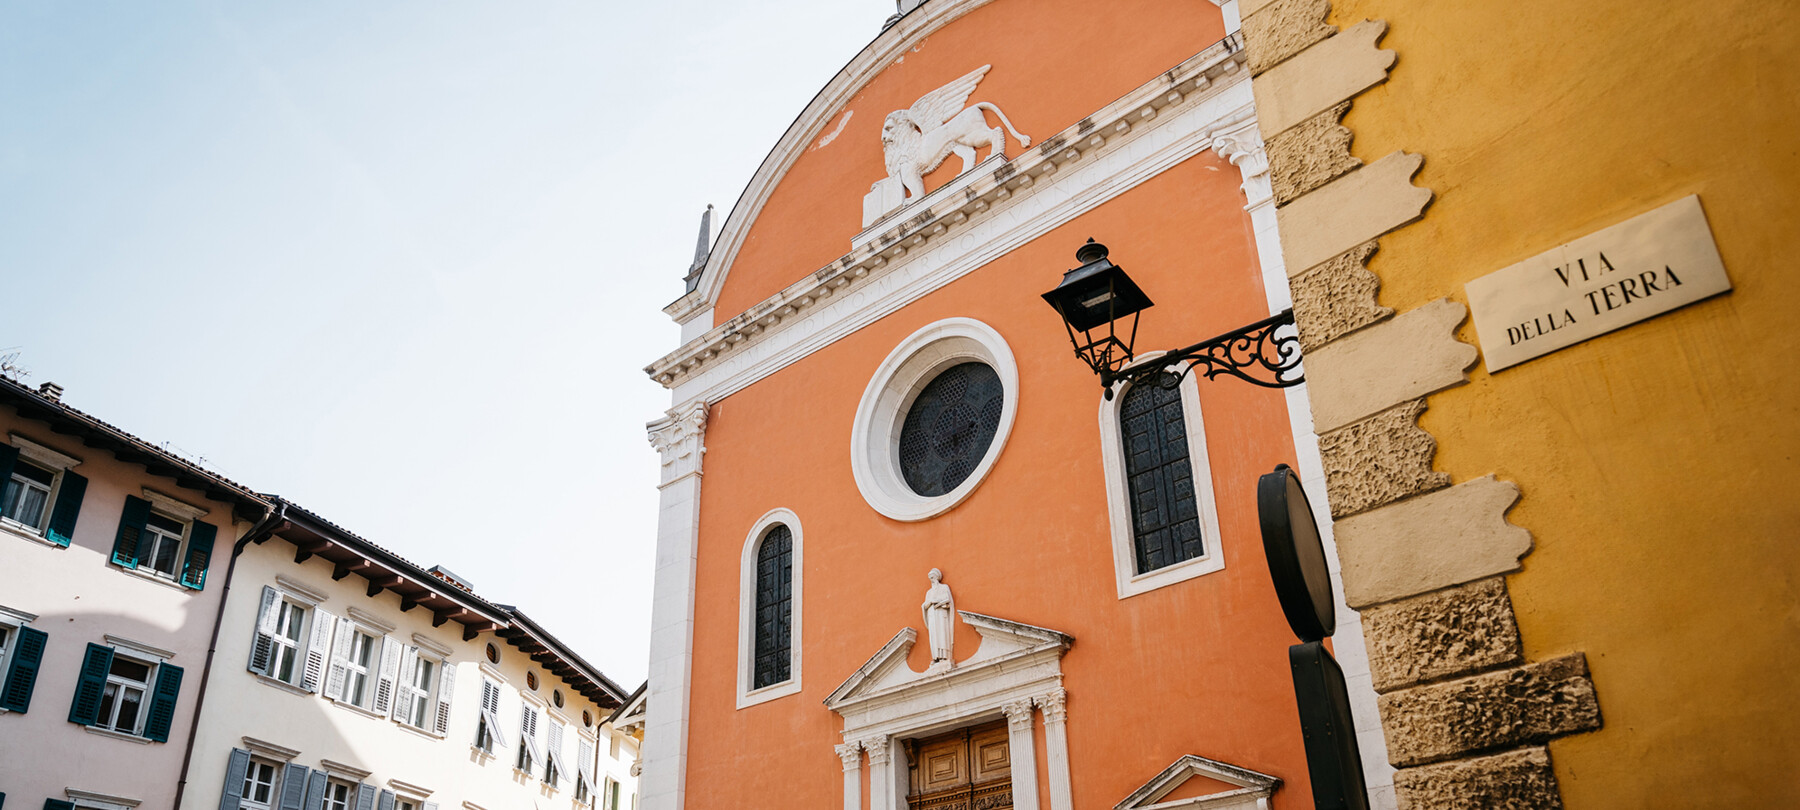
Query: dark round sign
1296	555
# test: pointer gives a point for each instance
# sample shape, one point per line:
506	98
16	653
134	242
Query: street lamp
1100	294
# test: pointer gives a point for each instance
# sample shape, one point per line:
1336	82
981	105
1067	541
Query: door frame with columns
1015	673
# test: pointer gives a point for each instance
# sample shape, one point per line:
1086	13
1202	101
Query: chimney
51	391
446	575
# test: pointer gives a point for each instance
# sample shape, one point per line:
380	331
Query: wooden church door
967	769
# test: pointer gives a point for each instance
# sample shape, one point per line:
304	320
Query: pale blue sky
399	262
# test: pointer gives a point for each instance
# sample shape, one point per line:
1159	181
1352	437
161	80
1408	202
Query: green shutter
131	526
162	705
21	674
91	685
68	507
58	804
199	555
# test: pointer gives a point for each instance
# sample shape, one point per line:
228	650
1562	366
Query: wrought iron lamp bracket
1265	353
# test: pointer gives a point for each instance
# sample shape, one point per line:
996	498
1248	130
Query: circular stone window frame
875	436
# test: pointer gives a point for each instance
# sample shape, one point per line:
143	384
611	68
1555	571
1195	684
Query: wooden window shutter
21	673
293	786
386	802
67	509
365	797
58	804
131	527
490	712
340	656
262	649
528	733
390	672
1164	517
162	705
91	685
317	648
315	791
406	683
235	769
446	690
199	554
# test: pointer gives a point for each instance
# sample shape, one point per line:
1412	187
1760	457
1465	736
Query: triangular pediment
1001	639
1195	782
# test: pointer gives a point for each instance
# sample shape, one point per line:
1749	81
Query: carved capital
677	437
878	751
1242	146
1018	715
851	754
1051	703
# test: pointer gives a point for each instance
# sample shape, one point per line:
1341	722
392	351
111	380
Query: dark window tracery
1165	523
949	427
774	608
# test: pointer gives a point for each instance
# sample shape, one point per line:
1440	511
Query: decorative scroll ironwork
1265	353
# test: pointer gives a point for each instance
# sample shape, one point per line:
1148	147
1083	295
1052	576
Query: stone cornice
1203	76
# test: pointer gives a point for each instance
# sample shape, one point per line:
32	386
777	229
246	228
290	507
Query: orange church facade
870	388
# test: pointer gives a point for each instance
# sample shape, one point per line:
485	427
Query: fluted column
881	773
851	754
1056	747
1023	753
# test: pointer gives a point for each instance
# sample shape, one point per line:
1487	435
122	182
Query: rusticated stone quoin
1513	707
1284	28
1449	537
1337	298
1514	780
1310	155
1380	460
1450	633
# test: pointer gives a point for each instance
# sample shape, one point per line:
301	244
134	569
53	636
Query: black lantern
1099	294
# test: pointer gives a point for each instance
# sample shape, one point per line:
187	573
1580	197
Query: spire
702	248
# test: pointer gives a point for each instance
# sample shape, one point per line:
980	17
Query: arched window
769	598
774	607
1165	526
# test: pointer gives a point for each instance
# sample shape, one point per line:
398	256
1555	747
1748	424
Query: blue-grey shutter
91	685
293	786
1164	519
365	797
58	804
199	555
68	507
315	791
162	704
235	769
387	800
21	674
131	528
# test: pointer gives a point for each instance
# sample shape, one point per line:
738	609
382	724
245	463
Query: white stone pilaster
678	438
851	755
1056	747
1023	753
882	795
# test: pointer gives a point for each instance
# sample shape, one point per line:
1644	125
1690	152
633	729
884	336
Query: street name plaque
1647	265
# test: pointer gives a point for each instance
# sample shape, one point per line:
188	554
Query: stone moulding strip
1112	151
1414	354
1350	210
1316	79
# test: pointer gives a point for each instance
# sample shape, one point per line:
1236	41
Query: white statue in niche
915	141
940	622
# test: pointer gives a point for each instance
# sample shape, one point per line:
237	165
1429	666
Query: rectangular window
415	693
26	497
357	688
611	800
161	542
6	636
122	704
406	804
259	785
339	795
290	622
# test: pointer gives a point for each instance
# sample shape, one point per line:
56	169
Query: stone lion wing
938	106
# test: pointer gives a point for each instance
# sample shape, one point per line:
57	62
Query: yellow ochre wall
1657	462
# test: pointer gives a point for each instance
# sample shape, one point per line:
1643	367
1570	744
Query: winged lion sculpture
916	140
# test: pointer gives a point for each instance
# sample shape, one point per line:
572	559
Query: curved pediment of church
1050	65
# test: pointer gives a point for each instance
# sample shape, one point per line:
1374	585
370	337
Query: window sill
25	532
1171	574
410	728
150	577
284	686
768	693
105	732
344	704
482	755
